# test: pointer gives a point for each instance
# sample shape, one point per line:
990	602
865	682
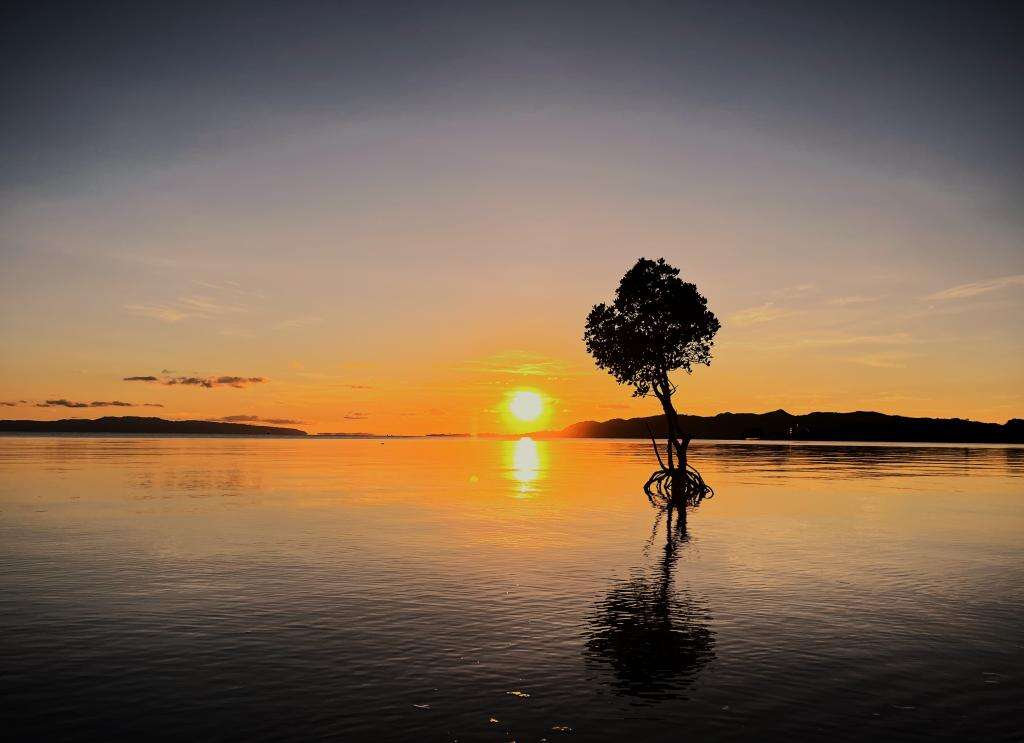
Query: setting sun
526	406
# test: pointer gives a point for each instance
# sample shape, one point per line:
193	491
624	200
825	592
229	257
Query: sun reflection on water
527	465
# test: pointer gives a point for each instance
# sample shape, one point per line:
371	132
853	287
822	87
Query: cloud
229	287
355	416
236	333
788	291
880	361
518	363
855	299
201	306
328	379
207	382
226	381
298	322
766	312
64	403
783	304
160	312
856	340
973	289
259	419
61	404
232	286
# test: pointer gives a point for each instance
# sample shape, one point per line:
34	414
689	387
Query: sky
391	217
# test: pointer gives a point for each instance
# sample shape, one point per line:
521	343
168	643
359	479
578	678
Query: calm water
502	590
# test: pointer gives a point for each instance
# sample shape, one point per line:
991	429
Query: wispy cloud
355	416
766	312
517	363
855	340
259	419
202	306
786	302
152	261
236	333
852	300
161	312
329	380
207	382
64	403
973	289
227	287
880	360
788	291
298	322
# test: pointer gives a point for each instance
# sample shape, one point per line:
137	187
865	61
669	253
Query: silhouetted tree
656	324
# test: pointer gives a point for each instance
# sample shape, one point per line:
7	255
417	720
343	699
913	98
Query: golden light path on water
526	464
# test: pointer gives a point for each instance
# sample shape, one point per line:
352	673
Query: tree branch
654	443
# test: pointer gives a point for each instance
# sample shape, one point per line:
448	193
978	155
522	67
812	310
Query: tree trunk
677	442
679	483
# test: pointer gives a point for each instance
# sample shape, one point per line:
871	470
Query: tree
656	325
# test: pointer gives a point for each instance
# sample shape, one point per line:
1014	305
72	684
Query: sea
242	589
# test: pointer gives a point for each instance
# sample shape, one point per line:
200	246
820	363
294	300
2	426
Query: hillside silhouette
780	425
135	424
777	425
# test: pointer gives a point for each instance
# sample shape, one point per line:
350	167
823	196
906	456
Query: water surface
239	589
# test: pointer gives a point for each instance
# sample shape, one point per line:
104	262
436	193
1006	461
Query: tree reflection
653	638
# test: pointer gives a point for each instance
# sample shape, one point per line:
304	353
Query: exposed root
661	485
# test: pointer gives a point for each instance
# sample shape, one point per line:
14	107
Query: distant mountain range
133	424
780	425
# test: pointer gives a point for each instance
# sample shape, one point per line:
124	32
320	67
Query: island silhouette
131	424
777	425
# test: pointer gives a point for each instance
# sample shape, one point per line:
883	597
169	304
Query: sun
526	406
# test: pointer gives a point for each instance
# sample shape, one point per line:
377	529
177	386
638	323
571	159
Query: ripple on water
206	588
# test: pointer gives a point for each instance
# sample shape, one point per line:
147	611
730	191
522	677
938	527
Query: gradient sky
387	216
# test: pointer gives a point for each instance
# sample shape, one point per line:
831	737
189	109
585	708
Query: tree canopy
656	324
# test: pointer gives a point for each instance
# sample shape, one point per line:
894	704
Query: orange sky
393	237
413	299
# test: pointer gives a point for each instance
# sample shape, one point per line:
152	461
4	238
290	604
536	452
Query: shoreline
514	437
